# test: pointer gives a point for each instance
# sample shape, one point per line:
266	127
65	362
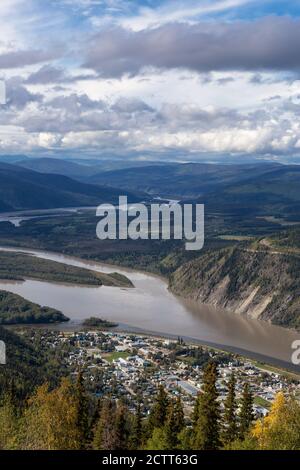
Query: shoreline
163	278
124	328
264	360
274	361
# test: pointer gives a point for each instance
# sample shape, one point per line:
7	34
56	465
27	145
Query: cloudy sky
147	79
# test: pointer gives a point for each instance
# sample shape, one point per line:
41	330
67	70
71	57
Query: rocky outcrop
260	284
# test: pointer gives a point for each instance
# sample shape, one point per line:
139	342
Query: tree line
67	418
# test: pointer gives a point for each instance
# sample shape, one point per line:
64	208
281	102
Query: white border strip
2	92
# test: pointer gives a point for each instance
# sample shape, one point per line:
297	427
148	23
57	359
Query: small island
95	322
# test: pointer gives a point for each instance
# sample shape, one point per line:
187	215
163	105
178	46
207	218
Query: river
151	307
17	217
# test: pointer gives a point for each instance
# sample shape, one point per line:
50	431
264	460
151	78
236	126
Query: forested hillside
22	189
24	368
14	309
68	418
20	266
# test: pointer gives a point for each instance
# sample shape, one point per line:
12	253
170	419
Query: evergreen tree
159	410
185	438
12	394
196	412
104	434
179	416
246	414
207	429
82	411
157	441
170	428
95	417
121	432
174	423
136	437
230	418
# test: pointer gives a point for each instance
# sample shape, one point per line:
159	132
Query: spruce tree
96	416
82	411
207	429
105	432
230	418
246	414
159	410
179	416
196	411
170	428
136	437
121	428
174	423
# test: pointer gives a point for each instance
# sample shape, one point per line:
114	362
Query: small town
131	367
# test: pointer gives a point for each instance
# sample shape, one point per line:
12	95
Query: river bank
150	307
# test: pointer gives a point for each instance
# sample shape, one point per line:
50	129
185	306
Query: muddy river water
149	306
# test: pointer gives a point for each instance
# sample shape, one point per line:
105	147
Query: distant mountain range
185	180
61	167
77	168
275	192
13	158
22	189
258	188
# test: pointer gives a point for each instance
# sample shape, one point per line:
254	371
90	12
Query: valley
150	307
247	273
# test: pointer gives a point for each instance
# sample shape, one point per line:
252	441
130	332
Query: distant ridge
13	158
182	179
22	189
58	166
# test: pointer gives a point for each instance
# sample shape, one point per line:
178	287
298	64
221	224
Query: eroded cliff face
260	284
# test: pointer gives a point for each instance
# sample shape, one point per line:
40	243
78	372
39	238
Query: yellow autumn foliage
280	429
51	419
